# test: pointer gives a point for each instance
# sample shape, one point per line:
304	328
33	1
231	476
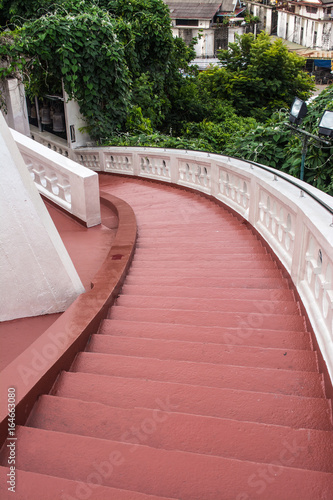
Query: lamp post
297	112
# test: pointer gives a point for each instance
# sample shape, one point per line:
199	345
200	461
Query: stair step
213	233
222	258
253	294
34	486
194	264
278	409
206	281
207	318
207	304
307	384
218	354
216	274
305	448
250	336
198	244
175	474
213	250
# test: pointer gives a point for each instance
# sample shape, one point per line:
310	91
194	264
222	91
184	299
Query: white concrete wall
75	119
290	27
65	182
37	274
17	113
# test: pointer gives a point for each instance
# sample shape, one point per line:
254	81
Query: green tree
258	76
81	47
118	59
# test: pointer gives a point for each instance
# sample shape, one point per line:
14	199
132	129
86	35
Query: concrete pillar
17	113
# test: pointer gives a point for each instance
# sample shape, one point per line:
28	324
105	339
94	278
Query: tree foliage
258	76
134	85
118	59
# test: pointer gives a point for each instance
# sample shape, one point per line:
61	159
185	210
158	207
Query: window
311	10
314	39
187	22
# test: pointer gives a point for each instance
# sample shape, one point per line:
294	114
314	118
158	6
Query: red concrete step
199	250
217	274
205	352
207	318
34	486
250	336
278	409
254	294
308	384
207	304
191	256
175	474
211	241
174	266
214	230
207	281
192	433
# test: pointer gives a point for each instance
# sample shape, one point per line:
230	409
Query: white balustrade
69	185
120	163
155	167
52	142
298	229
88	160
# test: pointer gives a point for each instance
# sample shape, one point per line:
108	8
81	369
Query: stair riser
232	294
206	281
175	474
209	267
222	274
307	384
202	318
312	413
39	486
231	336
161	302
176	431
205	353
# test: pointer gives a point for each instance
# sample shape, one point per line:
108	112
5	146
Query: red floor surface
19	334
200	385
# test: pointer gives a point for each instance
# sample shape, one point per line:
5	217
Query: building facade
307	23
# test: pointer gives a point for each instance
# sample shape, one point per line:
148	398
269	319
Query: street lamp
297	112
326	124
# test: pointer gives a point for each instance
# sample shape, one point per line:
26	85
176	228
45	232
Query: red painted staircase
200	385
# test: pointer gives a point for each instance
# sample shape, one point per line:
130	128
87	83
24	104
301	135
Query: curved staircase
200	385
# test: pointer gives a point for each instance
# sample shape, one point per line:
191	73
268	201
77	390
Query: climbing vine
78	46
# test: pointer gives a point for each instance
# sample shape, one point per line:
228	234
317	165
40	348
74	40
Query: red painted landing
19	334
200	385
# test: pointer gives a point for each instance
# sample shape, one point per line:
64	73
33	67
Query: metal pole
304	150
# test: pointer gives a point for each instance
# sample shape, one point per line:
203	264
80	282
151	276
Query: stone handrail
61	180
296	226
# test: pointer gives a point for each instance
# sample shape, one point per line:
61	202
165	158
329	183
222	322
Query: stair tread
308	384
183	432
156	301
212	292
255	337
263	357
205	281
33	486
280	409
175	474
204	318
